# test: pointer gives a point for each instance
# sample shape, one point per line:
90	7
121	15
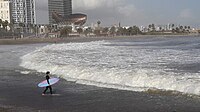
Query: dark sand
19	93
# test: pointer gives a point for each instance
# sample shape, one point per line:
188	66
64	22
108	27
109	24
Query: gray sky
42	12
132	12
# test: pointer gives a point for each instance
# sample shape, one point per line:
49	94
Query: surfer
48	87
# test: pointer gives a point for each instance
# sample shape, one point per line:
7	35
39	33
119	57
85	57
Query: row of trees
4	24
171	27
103	31
123	31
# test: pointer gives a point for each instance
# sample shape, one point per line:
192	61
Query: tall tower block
62	7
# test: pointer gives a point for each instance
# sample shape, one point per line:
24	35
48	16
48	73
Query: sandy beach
50	40
76	39
19	91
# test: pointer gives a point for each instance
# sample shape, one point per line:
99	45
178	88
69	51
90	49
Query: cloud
127	10
93	4
186	14
108	11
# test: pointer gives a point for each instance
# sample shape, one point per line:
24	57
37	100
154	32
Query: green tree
50	28
153	27
5	24
33	28
65	31
80	30
185	27
1	22
120	31
136	30
177	30
149	28
97	32
98	23
88	31
189	27
112	30
21	24
130	31
125	31
180	28
173	25
105	30
11	25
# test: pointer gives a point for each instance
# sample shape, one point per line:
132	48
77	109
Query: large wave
104	64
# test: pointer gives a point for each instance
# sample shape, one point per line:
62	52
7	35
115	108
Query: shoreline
77	39
50	40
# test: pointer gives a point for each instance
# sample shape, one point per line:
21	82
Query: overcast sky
131	12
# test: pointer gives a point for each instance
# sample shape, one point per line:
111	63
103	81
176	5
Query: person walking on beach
48	87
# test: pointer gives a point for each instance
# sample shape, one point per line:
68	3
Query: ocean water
136	64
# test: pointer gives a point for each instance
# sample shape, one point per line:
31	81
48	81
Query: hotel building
62	7
23	11
5	10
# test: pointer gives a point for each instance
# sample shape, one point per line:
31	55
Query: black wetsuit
47	77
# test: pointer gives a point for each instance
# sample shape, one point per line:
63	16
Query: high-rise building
5	10
62	7
23	11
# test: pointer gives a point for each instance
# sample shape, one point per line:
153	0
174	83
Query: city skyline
134	12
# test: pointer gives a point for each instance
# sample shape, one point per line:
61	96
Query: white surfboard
51	81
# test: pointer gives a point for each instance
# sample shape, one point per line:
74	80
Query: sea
134	64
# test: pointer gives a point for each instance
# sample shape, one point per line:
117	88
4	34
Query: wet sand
19	93
50	40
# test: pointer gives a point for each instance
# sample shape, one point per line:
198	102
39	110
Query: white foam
24	72
95	63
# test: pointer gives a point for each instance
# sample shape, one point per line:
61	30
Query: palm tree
149	27
120	31
181	28
97	32
177	30
189	27
185	27
173	26
1	22
98	23
130	31
79	30
153	27
105	30
112	30
32	28
88	31
5	24
65	31
11	25
136	30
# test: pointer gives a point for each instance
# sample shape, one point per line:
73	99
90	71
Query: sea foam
123	67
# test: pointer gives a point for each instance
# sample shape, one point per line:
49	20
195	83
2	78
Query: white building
23	11
5	10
